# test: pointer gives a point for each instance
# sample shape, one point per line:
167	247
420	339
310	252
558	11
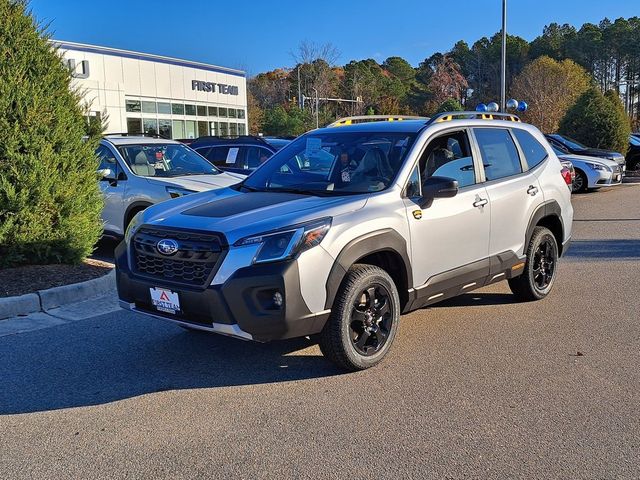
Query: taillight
566	174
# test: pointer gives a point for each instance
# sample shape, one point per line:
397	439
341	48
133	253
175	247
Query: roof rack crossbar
447	116
373	118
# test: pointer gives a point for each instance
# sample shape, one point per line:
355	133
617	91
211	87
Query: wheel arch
132	209
384	248
548	215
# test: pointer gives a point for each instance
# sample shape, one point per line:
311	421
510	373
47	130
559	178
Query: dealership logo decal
73	68
167	246
211	87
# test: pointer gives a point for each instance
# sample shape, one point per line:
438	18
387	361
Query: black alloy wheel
371	320
544	263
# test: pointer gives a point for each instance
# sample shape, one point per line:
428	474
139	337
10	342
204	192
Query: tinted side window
449	156
218	155
499	154
533	151
256	156
107	159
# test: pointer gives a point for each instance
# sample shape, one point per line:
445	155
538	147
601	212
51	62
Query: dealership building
140	92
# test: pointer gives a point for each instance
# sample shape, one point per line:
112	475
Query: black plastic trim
385	240
546	209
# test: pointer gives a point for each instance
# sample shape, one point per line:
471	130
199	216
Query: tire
580	183
353	338
540	269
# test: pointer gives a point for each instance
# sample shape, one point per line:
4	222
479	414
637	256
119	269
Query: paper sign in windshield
314	145
232	155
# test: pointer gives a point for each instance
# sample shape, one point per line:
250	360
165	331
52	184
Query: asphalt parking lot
477	387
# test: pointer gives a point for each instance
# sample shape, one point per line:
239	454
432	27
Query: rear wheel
364	319
540	268
580	183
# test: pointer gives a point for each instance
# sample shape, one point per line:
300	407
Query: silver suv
137	172
350	226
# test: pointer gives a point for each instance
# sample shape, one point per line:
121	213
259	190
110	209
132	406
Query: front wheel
364	319
580	183
540	268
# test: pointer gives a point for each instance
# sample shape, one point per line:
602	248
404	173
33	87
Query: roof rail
448	116
373	118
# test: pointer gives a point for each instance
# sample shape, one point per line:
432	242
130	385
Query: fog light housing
278	300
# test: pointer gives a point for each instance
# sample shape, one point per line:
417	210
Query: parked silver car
137	172
351	225
591	172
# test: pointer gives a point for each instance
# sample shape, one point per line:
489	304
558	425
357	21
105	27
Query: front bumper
239	307
600	178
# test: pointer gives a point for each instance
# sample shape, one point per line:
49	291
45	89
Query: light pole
503	63
317	104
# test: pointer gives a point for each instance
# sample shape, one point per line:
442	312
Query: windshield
559	150
634	141
571	143
165	160
334	163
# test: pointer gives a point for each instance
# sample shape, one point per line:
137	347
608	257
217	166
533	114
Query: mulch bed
29	279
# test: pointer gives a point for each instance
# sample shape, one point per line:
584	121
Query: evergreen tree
50	202
597	122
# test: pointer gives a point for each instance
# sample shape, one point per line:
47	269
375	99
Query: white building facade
140	92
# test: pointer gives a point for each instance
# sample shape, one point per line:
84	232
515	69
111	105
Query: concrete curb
45	300
631	180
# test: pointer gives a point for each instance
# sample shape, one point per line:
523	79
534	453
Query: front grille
198	257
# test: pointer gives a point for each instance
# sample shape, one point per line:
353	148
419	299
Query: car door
514	192
113	190
450	237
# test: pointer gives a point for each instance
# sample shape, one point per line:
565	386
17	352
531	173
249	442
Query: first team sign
210	87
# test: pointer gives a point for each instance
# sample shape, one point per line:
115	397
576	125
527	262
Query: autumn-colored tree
447	81
255	114
549	87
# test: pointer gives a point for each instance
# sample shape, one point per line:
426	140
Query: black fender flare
134	206
550	208
384	240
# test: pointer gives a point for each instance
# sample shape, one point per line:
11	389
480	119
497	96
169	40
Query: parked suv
241	154
347	227
138	171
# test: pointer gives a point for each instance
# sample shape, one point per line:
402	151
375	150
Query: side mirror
437	187
107	174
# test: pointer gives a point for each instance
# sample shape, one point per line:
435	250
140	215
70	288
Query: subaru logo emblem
167	246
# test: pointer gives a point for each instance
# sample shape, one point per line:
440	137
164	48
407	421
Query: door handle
481	202
532	190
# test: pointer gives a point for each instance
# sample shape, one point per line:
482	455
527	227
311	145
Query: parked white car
592	172
138	171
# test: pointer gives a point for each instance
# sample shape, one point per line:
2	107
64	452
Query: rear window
533	151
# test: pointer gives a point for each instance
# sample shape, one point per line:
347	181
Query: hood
238	214
200	183
598	152
578	159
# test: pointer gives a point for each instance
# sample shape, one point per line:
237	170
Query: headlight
175	192
597	166
287	243
135	222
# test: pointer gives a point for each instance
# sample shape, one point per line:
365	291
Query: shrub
598	121
50	202
450	105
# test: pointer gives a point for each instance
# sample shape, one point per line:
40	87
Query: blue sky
260	35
